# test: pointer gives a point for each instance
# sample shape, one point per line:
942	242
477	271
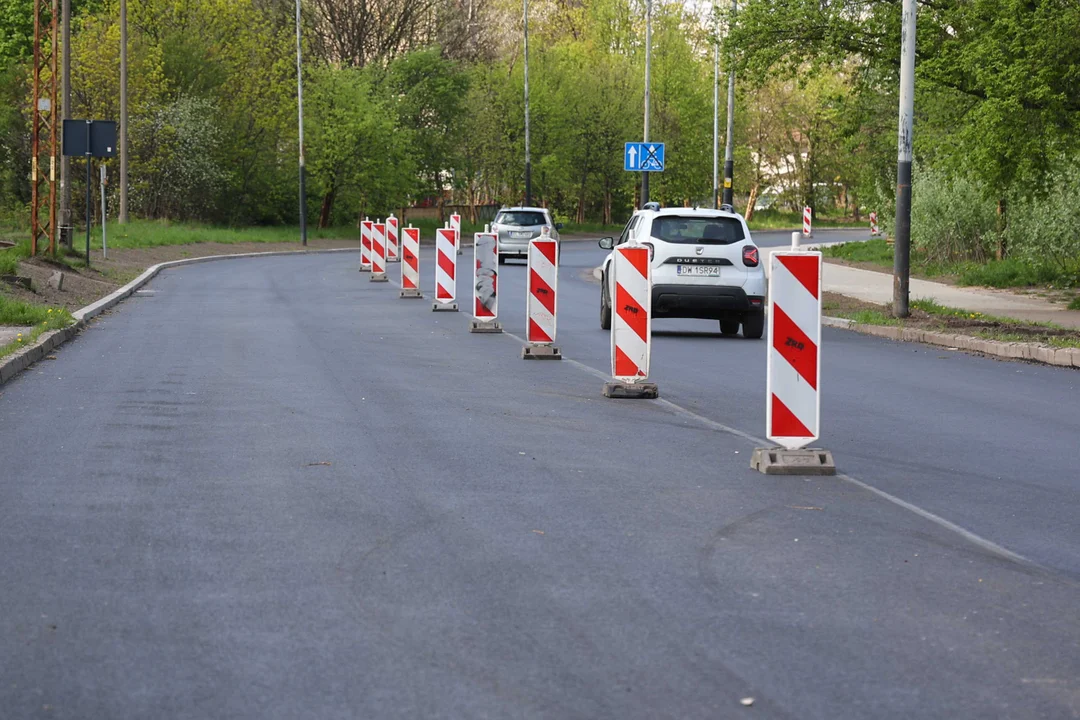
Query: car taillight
750	257
652	250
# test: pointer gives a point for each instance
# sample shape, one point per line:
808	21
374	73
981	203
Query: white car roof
525	208
689	212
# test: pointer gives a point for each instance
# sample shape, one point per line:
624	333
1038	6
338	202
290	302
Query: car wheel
753	325
729	327
502	259
605	306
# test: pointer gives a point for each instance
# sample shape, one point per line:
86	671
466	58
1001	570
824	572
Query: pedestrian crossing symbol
643	157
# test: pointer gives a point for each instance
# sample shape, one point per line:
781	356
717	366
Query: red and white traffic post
542	299
378	253
873	225
455	225
631	323
446	241
807	222
365	245
793	384
392	253
485	283
410	263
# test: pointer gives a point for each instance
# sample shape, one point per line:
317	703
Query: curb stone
49	341
1031	352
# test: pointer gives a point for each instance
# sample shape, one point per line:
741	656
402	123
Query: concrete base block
365	269
379	277
532	351
631	391
410	294
444	307
805	461
395	260
485	326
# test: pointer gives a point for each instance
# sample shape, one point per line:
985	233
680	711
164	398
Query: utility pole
300	115
729	147
528	155
716	114
123	214
43	126
648	67
902	246
65	161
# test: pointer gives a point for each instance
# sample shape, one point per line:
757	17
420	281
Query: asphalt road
272	489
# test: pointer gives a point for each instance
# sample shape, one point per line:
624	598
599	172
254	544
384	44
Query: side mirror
558	226
607	243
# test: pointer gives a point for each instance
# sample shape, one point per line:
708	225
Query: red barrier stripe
795	346
446	264
624	366
482	311
784	422
442	293
805	268
542	291
536	333
639	258
547	248
633	314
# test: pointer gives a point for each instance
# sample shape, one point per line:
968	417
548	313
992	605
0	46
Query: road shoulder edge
1031	352
49	341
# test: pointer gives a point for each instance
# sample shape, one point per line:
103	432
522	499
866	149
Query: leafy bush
1044	230
951	219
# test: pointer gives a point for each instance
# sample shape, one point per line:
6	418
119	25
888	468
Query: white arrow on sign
633	156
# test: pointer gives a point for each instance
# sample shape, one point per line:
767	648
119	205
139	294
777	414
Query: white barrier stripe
795	393
634	348
795	300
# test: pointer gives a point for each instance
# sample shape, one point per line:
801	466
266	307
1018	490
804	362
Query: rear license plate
698	270
520	234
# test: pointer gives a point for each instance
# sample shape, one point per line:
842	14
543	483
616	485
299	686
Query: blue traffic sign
643	157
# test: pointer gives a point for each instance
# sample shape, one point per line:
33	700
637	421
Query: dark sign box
102	137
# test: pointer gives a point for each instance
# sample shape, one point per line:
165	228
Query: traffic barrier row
793	365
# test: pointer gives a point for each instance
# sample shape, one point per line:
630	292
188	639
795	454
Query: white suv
704	265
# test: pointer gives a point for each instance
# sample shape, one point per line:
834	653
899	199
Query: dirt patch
973	324
83	286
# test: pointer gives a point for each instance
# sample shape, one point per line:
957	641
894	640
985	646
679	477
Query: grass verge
37	318
929	315
784	220
1010	273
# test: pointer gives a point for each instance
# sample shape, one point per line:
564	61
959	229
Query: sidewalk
876	287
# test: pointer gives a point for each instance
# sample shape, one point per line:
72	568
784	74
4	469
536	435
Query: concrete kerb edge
49	341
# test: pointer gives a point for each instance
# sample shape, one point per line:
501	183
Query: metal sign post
104	244
98	139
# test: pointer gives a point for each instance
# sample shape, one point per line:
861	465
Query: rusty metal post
44	120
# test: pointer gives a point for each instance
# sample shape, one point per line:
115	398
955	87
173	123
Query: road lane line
975	539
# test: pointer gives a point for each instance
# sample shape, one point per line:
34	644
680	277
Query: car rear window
521	218
698	230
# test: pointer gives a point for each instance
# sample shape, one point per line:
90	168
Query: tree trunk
749	214
327	207
472	203
581	196
607	203
1002	250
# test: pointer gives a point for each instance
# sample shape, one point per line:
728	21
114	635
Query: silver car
516	226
